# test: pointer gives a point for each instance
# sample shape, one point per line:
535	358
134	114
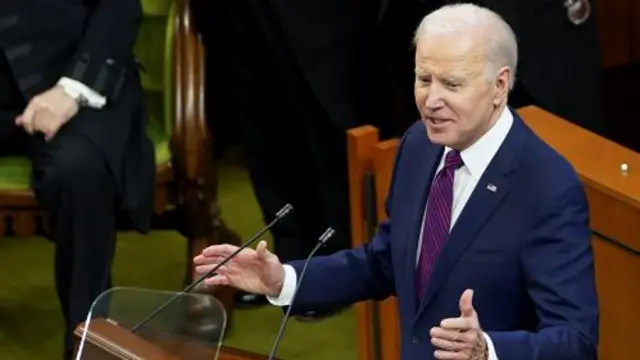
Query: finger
461	323
466	303
203	269
201	259
223	250
207	260
19	120
51	132
261	249
28	127
48	134
448	345
450	335
217	280
449	355
28	114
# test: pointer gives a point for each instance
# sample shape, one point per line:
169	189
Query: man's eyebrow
454	78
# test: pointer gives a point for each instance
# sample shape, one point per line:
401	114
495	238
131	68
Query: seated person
487	247
71	100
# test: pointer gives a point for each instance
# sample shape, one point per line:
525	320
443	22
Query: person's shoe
245	300
312	316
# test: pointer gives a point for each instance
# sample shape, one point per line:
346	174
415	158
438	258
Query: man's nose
434	99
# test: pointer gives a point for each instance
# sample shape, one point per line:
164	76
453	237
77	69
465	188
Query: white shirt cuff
75	88
490	347
288	287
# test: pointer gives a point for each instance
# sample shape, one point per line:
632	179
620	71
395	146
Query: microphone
279	216
578	11
328	234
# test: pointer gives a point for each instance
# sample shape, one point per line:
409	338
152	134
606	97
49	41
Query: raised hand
460	338
256	271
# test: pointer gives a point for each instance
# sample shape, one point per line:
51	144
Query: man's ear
503	80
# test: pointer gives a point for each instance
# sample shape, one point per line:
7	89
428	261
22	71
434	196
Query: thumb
466	304
261	250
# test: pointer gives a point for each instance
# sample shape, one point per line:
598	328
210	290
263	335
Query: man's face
457	101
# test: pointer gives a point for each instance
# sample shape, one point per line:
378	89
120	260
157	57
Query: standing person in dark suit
560	67
70	99
487	245
290	69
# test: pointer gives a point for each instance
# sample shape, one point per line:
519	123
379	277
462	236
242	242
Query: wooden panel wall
614	30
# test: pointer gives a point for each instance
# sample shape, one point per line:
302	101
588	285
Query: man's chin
441	138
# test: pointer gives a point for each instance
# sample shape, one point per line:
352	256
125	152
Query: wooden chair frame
187	186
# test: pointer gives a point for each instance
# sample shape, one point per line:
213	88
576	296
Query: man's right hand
255	271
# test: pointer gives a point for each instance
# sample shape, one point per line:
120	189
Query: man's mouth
436	120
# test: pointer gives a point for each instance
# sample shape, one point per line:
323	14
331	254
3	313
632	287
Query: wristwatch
80	99
77	96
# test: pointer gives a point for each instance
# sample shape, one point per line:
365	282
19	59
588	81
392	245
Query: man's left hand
48	112
460	338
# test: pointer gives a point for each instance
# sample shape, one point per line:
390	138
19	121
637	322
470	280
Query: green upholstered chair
186	188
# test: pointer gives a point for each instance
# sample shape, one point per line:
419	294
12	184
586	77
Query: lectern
141	324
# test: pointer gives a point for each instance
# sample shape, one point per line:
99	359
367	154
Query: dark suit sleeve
559	268
105	51
351	275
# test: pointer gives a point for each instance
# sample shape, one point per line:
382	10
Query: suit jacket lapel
489	193
424	173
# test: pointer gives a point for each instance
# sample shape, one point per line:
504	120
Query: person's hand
48	112
460	338
256	271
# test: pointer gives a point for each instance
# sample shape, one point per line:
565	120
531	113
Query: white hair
501	44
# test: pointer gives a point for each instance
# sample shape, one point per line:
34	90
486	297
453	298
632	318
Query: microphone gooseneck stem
279	216
328	234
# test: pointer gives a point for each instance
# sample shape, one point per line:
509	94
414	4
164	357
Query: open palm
256	271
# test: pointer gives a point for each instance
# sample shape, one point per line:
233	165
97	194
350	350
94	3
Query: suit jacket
524	249
90	41
560	66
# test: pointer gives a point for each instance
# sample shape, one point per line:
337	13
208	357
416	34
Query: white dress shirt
75	88
476	159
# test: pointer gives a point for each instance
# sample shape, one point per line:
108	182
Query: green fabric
31	321
155	53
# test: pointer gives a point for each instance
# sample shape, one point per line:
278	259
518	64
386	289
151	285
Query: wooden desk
614	199
108	341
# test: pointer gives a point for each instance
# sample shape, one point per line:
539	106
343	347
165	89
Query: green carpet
30	320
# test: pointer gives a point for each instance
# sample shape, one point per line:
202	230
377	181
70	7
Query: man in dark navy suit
71	100
487	246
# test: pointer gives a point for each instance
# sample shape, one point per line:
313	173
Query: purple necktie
437	220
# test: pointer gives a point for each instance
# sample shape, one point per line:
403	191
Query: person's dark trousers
71	180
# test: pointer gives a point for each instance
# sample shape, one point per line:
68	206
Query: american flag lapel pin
491	187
